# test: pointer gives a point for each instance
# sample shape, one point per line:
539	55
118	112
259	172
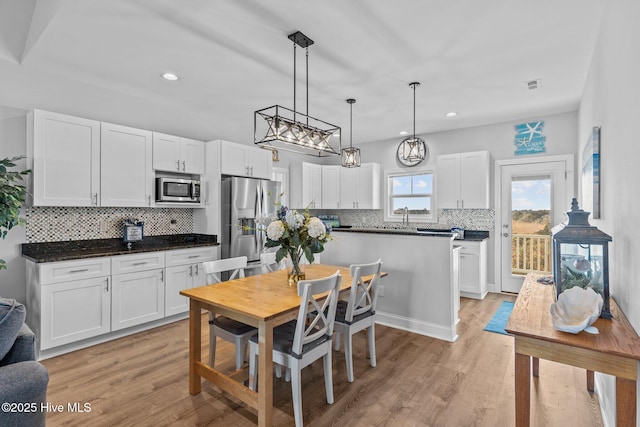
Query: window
412	190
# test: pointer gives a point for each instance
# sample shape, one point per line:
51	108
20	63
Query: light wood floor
141	380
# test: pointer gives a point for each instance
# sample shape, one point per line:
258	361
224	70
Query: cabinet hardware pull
162	275
140	263
251	170
149	198
178	165
79	271
184	165
95	199
462	203
194	256
197	270
107	289
191	270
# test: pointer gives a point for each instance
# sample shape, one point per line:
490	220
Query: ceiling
103	59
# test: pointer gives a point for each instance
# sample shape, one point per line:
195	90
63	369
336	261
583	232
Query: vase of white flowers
297	235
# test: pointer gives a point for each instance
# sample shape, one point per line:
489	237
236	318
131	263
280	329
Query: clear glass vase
295	267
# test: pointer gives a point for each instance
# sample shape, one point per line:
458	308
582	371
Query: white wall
561	137
13	143
610	100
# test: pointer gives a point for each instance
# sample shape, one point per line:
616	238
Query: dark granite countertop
80	249
469	235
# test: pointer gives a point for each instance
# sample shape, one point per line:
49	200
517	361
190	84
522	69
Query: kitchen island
421	293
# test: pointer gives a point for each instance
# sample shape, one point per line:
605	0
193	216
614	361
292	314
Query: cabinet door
234	159
137	298
178	278
349	178
311	186
66	159
368	187
331	187
166	152
192	156
474	180
469	273
126	166
448	181
73	311
259	162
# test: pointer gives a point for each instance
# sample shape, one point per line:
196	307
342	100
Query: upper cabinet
331	187
64	153
245	160
360	187
176	154
463	180
126	176
305	185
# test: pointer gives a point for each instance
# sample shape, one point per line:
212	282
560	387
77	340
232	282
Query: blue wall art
529	138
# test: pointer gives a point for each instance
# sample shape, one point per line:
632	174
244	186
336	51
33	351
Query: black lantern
581	257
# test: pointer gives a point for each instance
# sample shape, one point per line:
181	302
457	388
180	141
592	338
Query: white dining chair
358	312
269	264
228	329
300	342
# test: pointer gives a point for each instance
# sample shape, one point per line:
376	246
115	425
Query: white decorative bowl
576	309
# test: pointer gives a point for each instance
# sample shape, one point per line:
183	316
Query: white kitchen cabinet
311	186
64	154
137	298
331	187
473	269
360	187
126	173
184	270
176	154
463	180
69	301
245	160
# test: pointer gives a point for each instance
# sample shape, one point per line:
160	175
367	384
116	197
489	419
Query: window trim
388	215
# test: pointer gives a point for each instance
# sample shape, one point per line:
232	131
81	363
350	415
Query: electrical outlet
103	225
380	291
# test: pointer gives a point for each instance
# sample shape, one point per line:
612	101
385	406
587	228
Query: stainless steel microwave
177	190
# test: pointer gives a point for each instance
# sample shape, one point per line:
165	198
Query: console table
614	351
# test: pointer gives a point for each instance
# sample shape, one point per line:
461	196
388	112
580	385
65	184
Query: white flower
275	230
294	219
316	228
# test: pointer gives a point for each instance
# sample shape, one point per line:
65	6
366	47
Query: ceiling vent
534	84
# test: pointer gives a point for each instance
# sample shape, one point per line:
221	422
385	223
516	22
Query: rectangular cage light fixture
288	130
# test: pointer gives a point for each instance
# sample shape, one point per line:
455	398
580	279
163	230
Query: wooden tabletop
263	296
531	318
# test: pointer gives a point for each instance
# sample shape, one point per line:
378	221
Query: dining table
263	301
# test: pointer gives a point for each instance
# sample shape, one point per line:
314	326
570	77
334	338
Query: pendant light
351	156
291	130
412	150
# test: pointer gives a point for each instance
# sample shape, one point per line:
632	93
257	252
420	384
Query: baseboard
416	326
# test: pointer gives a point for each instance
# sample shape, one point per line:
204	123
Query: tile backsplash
54	224
469	219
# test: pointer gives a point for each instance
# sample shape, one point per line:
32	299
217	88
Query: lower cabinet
137	298
73	311
72	301
473	269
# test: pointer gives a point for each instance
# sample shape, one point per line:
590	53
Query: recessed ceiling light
404	132
169	76
451	114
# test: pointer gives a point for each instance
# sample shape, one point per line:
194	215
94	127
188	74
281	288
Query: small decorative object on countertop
133	230
575	310
581	257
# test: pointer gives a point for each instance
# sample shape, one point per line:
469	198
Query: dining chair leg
328	376
337	341
371	332
240	352
296	392
212	341
348	355
253	368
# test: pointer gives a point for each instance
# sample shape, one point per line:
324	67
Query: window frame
389	216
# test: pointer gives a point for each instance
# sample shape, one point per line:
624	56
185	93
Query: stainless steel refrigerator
244	202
